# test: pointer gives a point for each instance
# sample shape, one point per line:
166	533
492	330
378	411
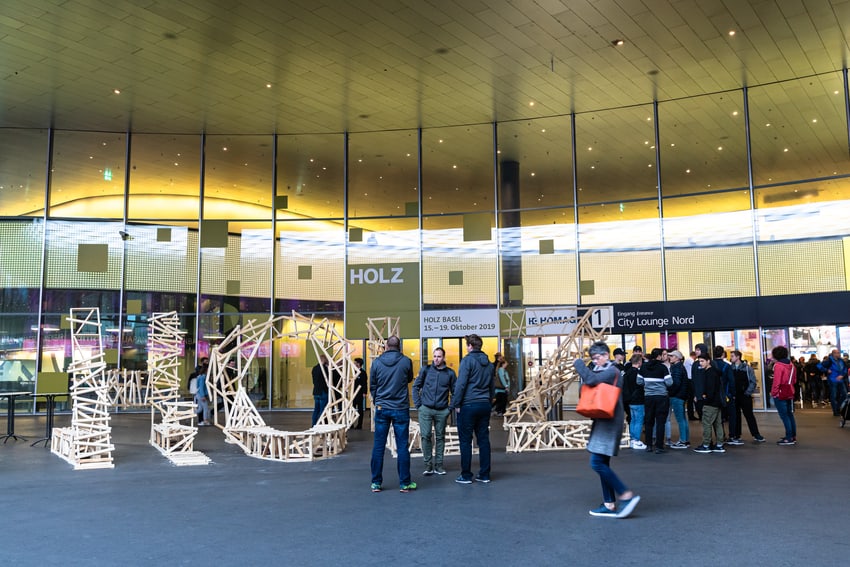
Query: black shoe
659	451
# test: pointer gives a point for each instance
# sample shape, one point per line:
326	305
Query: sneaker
479	478
407	487
735	441
429	470
604	512
463	480
703	449
760	439
376	487
627	506
786	442
667	443
439	470
678	445
718	448
638	444
659	450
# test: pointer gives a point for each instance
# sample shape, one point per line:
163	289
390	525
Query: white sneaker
637	444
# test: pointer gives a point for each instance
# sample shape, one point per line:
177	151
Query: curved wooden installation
527	418
87	443
174	434
239	419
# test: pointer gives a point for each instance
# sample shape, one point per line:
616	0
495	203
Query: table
10	424
51	404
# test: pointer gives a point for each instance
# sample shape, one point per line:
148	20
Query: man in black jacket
391	373
431	391
709	391
471	398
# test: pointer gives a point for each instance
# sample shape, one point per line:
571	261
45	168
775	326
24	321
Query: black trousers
744	404
657	409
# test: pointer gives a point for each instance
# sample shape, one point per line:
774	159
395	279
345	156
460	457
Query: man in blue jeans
391	373
473	393
836	373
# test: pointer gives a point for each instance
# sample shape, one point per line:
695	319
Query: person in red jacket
782	392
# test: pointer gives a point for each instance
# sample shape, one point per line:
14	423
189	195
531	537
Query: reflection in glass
799	131
383	174
165	176
616	155
310	269
88	175
23	166
310	174
238	177
457	169
535	159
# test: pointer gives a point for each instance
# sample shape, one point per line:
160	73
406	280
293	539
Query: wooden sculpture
127	388
239	419
527	418
87	443
174	434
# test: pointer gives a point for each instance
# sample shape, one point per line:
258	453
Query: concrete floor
754	505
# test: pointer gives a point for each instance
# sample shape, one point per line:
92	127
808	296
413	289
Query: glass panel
383	174
161	258
23	167
165	176
310	266
772	338
240	275
616	155
238	177
747	341
703	147
88	175
18	335
457	169
799	131
310	174
454	272
540	264
608	249
84	255
536	165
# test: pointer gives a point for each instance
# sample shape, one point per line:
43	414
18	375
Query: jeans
785	409
438	418
711	421
837	393
474	417
636	422
203	407
678	405
319	403
611	483
745	405
657	408
400	421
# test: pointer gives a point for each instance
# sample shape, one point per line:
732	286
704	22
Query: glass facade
600	207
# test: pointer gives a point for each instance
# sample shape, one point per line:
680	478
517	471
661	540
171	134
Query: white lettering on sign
371	276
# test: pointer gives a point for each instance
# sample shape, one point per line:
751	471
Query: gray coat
606	433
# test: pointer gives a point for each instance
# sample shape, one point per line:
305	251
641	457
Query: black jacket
681	387
433	386
320	384
391	373
474	381
711	392
632	391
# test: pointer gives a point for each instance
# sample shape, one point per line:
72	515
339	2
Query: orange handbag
600	401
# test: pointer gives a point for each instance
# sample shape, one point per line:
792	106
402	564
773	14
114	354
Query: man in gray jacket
391	373
471	398
431	391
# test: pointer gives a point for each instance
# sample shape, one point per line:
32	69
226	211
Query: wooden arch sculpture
527	418
239	419
87	443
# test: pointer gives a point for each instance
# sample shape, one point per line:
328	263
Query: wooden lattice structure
527	418
174	434
380	329
127	388
239	419
87	443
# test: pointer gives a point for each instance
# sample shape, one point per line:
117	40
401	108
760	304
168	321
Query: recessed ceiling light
440	141
672	145
785	150
543	130
454	167
687	171
224	149
814	120
834	92
268	85
532	174
590	149
531	103
719	148
617	42
767	125
731	32
116	91
734	113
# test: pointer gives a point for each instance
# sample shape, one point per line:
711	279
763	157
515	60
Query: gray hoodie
390	374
